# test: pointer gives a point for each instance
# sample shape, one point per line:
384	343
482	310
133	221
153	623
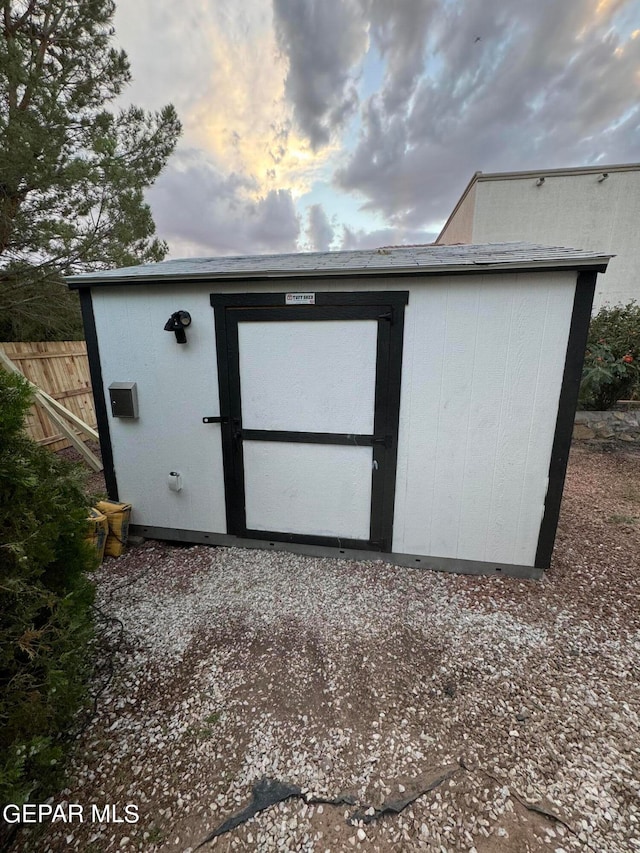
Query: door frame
387	307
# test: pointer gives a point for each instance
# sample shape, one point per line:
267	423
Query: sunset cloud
314	124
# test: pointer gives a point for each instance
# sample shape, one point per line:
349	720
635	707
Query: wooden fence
61	369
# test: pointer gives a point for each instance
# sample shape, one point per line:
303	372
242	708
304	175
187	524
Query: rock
582	433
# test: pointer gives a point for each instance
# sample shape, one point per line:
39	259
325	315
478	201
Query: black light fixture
177	323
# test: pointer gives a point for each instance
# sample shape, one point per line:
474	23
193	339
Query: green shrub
612	361
45	603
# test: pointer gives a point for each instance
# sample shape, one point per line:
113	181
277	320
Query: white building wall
177	387
482	370
483	366
576	211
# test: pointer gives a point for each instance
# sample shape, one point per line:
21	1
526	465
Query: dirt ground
367	683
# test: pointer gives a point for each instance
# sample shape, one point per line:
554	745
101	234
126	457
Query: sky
311	125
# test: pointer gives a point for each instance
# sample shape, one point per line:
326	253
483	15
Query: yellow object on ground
98	531
118	515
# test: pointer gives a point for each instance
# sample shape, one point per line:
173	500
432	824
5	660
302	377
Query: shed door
309	397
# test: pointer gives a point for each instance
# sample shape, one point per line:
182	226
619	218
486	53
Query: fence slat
60	368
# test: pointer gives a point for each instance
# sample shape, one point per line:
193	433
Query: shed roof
405	260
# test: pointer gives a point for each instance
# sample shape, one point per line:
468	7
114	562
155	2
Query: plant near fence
611	369
45	603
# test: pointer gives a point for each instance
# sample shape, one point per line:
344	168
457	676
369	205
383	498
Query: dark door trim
387	308
97	387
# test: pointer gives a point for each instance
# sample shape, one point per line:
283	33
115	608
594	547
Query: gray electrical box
124	399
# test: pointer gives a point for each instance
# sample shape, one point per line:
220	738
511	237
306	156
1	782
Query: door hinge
215	419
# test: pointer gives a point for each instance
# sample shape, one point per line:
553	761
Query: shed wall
177	387
482	370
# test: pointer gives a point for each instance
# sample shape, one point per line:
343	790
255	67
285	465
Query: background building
596	208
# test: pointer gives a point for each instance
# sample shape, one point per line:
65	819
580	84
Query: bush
45	603
611	369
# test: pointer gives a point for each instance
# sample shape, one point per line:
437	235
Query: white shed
414	404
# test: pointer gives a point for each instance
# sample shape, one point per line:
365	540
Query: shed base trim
416	561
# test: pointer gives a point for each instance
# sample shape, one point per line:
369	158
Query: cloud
360	239
401	33
202	211
319	230
163	71
505	86
324	44
221	65
241	115
395	104
274	225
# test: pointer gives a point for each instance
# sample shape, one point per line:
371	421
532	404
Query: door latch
384	440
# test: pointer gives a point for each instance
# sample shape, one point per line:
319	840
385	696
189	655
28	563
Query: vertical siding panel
515	421
553	344
529	517
493	323
419	423
453	416
472	369
406	427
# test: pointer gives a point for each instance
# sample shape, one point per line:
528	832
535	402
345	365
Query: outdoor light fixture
603	177
177	323
540	182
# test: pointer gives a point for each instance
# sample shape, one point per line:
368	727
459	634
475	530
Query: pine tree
45	604
72	171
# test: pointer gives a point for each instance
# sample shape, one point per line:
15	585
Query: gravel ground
367	680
